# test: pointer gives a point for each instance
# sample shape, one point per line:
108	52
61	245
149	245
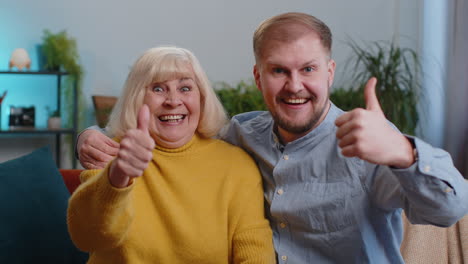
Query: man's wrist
415	154
408	156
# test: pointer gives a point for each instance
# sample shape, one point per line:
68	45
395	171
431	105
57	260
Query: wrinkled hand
135	152
96	150
366	134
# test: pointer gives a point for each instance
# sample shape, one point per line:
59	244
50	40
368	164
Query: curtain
456	130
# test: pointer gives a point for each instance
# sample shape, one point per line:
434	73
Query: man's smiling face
295	77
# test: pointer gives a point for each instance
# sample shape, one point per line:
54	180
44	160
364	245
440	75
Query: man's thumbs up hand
372	103
366	134
135	152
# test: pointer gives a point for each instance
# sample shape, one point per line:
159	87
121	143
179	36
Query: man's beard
298	128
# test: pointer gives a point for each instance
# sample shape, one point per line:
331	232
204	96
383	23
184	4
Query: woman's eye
185	89
158	89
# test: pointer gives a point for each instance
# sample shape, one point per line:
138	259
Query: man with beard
335	183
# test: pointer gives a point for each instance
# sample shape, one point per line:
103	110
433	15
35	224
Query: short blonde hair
158	65
289	27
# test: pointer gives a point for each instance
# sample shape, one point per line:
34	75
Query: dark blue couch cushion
33	209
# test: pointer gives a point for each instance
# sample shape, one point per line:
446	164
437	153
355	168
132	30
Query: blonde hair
289	27
158	65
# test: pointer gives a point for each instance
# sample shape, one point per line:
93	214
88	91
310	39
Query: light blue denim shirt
326	208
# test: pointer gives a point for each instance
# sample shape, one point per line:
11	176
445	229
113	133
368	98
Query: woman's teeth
171	118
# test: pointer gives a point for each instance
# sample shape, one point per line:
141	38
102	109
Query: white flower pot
54	123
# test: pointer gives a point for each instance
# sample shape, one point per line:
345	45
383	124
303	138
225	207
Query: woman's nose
172	99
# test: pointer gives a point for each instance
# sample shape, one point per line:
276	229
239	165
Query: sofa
33	206
34	197
71	178
422	244
431	244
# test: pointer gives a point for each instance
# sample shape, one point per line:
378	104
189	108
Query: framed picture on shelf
22	117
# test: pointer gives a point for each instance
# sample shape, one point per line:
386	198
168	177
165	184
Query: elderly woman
173	194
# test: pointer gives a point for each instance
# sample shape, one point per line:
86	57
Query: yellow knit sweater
201	203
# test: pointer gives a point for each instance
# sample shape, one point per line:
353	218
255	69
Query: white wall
111	34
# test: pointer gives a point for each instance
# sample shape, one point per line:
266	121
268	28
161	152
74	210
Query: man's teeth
296	101
171	117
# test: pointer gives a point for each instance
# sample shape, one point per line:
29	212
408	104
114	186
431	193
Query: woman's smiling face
174	111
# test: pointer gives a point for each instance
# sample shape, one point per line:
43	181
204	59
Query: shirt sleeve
431	191
234	132
99	215
95	127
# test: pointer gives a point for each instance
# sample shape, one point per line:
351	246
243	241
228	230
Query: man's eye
157	89
308	69
278	70
185	89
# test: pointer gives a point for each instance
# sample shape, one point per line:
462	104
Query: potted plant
61	54
243	97
60	51
54	121
103	106
398	82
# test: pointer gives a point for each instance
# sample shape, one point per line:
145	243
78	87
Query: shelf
35	72
33	130
57	133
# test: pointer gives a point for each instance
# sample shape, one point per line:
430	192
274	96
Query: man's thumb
372	103
143	118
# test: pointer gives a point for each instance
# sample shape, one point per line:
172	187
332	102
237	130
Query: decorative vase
20	59
54	123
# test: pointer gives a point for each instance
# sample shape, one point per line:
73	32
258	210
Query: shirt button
285	157
427	168
284	258
282	225
280	191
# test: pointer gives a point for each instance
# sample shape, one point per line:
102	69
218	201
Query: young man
335	183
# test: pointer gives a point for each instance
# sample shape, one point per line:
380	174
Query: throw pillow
33	208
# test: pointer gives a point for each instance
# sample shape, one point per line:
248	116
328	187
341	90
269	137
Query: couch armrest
71	178
431	244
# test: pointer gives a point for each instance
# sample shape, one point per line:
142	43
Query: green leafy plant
55	113
60	51
243	97
398	82
52	113
347	99
61	54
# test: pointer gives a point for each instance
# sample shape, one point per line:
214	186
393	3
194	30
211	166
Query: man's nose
294	83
